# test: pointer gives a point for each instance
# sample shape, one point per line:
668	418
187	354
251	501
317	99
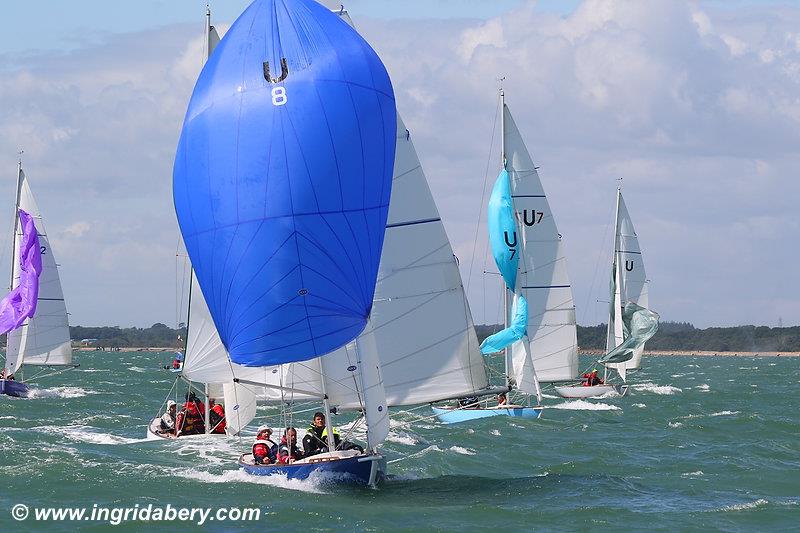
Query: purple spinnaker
20	304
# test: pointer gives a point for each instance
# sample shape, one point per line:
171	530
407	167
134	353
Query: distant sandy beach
702	353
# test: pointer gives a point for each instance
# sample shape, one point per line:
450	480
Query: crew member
216	417
264	448
288	452
316	439
167	424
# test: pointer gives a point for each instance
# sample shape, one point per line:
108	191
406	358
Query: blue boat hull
357	469
454	416
13	388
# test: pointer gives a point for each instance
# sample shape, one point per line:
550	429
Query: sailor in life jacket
216	417
316	439
264	448
288	452
191	419
167	424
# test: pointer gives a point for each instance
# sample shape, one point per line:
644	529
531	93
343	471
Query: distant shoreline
703	353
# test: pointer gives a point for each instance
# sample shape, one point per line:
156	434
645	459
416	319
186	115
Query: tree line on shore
680	336
683	336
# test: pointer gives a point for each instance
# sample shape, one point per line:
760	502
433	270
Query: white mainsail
44	339
628	281
543	278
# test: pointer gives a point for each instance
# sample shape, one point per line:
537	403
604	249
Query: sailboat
282	183
539	338
204	359
630	323
43	340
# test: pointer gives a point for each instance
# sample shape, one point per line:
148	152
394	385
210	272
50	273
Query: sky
694	104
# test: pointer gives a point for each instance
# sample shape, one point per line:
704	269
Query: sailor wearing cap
168	419
264	448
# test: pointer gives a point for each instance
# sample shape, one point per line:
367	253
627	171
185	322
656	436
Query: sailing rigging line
483	197
596	267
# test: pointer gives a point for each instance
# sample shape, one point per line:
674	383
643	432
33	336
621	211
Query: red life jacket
261	450
219	428
285	452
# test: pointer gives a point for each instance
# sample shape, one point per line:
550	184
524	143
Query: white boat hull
579	391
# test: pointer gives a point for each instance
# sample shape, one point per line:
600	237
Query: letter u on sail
282	187
503	230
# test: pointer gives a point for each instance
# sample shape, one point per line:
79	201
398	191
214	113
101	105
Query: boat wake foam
310	485
583	405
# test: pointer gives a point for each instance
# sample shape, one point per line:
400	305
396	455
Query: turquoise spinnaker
503	230
518	329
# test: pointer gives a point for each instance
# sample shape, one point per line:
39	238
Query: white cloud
695	107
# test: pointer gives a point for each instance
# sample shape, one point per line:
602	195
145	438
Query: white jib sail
630	282
543	278
44	339
240	406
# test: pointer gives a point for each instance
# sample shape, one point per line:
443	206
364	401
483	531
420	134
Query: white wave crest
462	451
656	389
639	405
88	434
583	405
402	438
675	424
59	392
720	413
698	473
703	388
745	506
495	432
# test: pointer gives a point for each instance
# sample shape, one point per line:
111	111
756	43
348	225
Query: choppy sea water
699	443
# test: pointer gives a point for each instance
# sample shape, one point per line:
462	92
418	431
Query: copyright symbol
19	512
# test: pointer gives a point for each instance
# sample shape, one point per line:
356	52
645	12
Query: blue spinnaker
514	332
282	180
503	230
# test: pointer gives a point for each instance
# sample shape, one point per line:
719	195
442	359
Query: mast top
19	157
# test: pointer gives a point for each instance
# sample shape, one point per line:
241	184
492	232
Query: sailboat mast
507	351
611	337
207	40
326	408
16	221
